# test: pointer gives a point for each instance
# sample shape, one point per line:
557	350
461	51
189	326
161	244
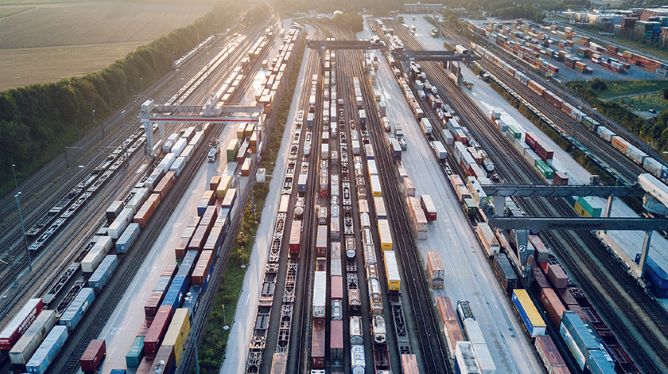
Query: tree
664	93
598	84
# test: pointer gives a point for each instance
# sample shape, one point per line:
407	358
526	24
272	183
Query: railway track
640	322
62	239
430	348
92	325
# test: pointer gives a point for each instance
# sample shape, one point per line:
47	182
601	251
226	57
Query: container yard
412	220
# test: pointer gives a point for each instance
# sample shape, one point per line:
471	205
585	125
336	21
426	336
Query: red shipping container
19	323
557	276
153	304
553	306
567	298
158	329
169	270
530	140
164	361
336	287
539	280
295	237
202	268
93	356
560	179
145	366
147	209
550	355
318	344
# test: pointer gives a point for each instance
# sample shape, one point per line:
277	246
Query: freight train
652	165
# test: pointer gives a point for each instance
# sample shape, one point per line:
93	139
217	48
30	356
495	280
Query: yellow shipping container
386	243
240	130
178	332
225	182
580	210
392	271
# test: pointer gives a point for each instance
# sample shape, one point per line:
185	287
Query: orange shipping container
201	271
166	183
554	308
451	328
214	182
147	209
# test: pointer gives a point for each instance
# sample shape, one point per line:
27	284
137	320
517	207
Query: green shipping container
232	148
514	132
587	207
133	358
590	123
470	207
544	169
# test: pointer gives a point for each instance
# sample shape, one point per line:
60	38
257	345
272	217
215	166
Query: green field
47	40
644	102
616	89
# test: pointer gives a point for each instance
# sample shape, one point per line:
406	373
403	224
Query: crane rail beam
579	223
527	190
434	56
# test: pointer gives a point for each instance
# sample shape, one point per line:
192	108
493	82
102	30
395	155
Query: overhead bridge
434	56
343	44
527	190
578	223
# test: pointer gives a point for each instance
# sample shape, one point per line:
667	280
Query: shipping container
553	306
409	364
93	356
451	329
202	271
96	254
47	352
428	207
487	238
577	336
505	273
435	270
113	210
147	209
465	359
157	330
319	294
119	224
318	345
135	353
379	206
26	346
599	362
164	361
103	273
20	322
386	243
321	243
295	237
177	333
376	189
77	308
550	356
127	239
529	315
392	271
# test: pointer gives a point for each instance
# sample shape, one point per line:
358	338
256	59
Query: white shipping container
166	162
319	294
465	360
96	254
120	223
179	146
484	358
178	165
140	195
32	338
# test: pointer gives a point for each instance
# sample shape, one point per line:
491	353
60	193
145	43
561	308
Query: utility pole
23	228
16	186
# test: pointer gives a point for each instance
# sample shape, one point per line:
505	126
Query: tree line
38	121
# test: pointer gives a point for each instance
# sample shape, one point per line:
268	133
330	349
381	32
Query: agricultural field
46	40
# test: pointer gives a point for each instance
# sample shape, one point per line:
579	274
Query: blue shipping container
191	300
163	283
117	371
176	291
127	238
599	362
188	263
48	350
77	308
103	273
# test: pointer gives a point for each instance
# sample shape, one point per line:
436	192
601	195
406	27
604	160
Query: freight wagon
318	345
295	237
386	243
550	356
451	329
20	322
26	346
177	334
486	237
505	273
529	315
578	337
93	356
103	273
77	308
392	271
125	241
47	352
319	294
435	270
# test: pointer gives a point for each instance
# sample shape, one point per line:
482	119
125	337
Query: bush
598	84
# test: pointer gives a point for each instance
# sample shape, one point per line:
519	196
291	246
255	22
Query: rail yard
395	236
